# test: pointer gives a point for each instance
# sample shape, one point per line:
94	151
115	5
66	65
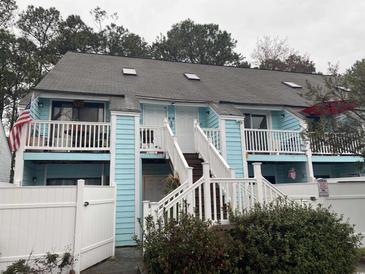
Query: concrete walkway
126	261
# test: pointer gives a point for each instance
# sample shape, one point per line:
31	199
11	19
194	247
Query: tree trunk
12	121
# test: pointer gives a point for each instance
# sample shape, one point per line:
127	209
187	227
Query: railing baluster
94	135
214	201
67	135
58	136
62	135
200	190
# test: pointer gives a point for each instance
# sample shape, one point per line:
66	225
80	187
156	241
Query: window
292	84
77	111
129	71
192	76
72	181
255	121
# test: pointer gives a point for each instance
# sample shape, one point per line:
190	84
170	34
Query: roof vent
292	85
192	76
129	71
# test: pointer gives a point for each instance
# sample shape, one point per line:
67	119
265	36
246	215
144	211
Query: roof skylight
344	88
129	71
292	84
192	76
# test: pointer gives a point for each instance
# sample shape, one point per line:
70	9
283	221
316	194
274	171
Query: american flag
15	132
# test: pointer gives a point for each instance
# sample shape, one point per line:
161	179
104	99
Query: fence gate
40	219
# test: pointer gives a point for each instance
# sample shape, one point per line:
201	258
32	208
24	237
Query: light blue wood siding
44	111
66	156
203	121
212	119
284	120
39	108
233	146
208	118
125	180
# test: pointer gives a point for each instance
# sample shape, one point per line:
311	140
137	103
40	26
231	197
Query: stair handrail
176	156
187	191
273	188
266	192
173	194
210	154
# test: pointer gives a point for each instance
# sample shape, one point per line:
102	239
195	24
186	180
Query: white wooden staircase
209	197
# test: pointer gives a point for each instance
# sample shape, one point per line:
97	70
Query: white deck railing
151	138
68	135
335	144
273	141
210	154
213	134
176	156
209	198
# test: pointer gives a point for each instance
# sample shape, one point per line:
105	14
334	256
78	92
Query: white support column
19	159
244	153
207	197
309	163
154	211
138	187
308	153
259	183
222	130
113	126
78	225
196	123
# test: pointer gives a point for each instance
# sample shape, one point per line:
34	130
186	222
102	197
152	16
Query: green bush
288	238
184	246
279	238
171	183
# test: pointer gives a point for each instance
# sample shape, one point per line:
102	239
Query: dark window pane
78	111
62	111
259	122
247	120
72	181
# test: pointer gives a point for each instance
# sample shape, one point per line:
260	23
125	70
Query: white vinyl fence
347	198
39	219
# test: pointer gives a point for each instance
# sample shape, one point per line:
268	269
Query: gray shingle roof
101	74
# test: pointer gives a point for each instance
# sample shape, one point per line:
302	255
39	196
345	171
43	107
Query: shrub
49	263
289	238
171	183
184	246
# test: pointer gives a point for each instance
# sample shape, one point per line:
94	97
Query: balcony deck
267	141
65	136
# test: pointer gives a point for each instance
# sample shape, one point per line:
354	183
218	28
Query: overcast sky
328	30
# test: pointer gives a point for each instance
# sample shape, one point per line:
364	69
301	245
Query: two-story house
132	122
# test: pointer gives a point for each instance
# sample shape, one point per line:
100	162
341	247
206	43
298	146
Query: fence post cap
80	182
